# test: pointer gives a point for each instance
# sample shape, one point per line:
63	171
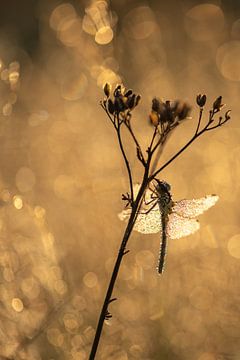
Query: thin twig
199	120
109	116
142	160
195	136
126	163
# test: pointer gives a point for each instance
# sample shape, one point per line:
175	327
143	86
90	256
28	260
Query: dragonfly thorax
163	186
164	196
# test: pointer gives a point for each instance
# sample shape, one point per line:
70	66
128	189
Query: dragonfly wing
195	207
179	226
145	223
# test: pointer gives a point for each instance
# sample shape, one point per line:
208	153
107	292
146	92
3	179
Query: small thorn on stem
108	315
111	300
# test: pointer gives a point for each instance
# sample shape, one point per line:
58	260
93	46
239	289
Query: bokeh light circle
233	246
104	35
139	23
204	22
227	60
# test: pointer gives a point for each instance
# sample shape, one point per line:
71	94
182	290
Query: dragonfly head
163	186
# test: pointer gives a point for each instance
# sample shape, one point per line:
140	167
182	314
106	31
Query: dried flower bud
227	116
119	104
155	105
111	107
201	100
128	93
131	101
218	104
154	119
138	98
117	91
182	110
122	100
107	89
166	112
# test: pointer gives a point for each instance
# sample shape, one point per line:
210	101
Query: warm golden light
17	304
90	279
55	337
62	178
104	35
234	246
204	22
227	60
140	23
25	179
18	202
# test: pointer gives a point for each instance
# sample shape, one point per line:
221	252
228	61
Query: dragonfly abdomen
163	246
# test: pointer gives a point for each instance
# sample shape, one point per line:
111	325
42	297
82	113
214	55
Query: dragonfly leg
152	197
148	211
150	201
154	191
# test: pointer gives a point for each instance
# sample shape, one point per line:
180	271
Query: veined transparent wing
179	226
181	221
194	207
145	223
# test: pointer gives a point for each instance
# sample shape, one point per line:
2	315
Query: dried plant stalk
164	118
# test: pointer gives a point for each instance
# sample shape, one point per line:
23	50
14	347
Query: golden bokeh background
62	177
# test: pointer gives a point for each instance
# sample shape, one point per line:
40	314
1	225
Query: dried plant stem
118	129
149	175
122	251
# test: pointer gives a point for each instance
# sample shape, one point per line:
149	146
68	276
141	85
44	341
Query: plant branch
118	129
195	136
199	120
106	111
139	150
160	145
153	138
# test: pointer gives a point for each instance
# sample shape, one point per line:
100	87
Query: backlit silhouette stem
112	108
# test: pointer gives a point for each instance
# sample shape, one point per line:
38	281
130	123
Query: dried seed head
156	105
138	98
201	100
128	93
118	91
217	105
131	101
111	107
154	118
166	112
107	89
227	116
119	104
123	100
182	110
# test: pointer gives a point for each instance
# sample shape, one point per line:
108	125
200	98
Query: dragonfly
173	219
